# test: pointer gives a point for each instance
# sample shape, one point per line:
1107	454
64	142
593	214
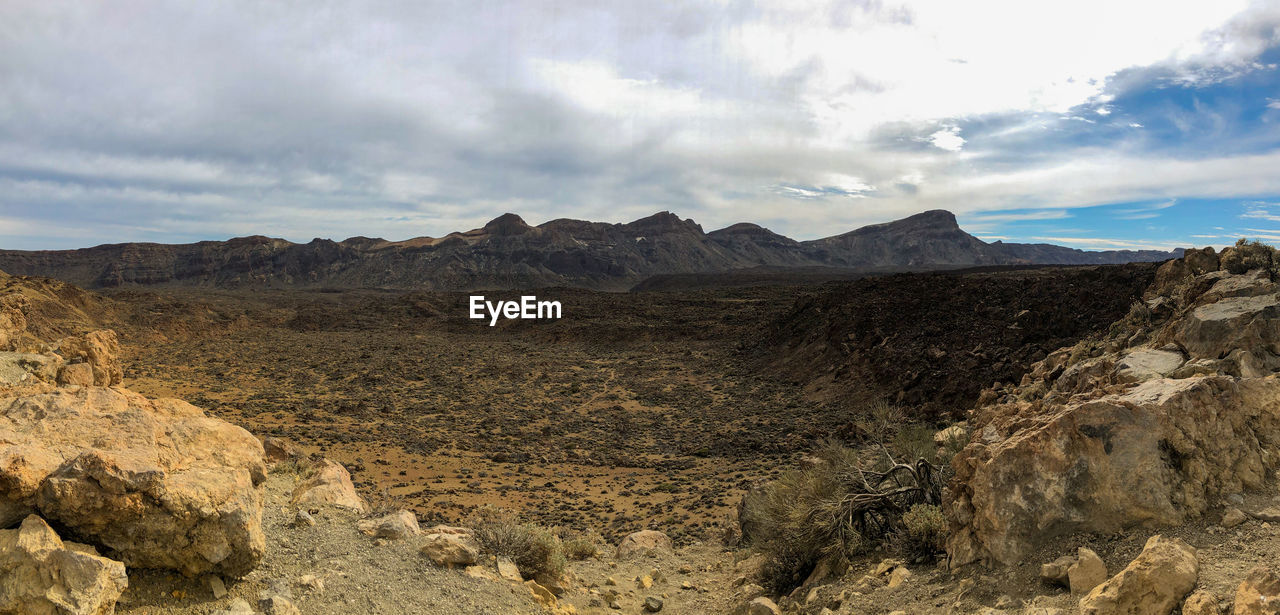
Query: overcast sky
1096	124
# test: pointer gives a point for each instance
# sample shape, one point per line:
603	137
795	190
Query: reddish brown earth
647	409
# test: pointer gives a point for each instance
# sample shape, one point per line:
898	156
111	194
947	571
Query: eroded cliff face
508	253
1177	406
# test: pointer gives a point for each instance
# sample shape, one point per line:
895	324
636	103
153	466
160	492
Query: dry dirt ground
360	575
635	410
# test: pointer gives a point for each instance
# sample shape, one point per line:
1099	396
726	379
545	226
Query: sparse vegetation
837	506
579	546
536	550
1249	255
923	534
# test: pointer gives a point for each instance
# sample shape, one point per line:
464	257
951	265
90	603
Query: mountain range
507	253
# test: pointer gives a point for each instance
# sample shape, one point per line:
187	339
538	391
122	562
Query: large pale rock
1152	584
1247	323
1146	363
42	575
327	483
1087	572
155	482
450	549
397	525
21	368
1153	456
101	350
1258	594
643	542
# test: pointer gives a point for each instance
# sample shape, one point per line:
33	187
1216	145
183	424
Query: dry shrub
1247	255
923	534
536	550
836	507
581	545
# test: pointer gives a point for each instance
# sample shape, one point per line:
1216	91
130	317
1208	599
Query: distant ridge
508	253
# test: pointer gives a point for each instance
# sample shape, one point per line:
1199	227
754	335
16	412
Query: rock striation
1148	425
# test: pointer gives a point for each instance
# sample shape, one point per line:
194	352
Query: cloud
171	122
1097	243
1145	212
948	139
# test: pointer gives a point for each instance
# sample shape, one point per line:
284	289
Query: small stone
278	605
311	582
508	570
1055	572
652	605
1087	573
218	588
237	607
1233	517
303	519
644	582
899	576
762	606
1201	603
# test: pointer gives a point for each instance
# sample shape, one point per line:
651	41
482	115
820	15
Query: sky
1096	124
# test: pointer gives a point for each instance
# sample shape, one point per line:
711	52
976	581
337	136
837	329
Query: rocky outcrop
12	325
42	575
1152	584
155	482
1148	425
100	350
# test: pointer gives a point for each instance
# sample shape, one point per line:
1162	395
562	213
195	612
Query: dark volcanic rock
905	337
507	253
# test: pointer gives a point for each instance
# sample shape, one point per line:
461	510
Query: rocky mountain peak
506	225
663	222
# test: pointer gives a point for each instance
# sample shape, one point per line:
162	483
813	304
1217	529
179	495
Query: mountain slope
507	253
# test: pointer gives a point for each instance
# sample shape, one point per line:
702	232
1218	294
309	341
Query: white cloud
1098	243
948	139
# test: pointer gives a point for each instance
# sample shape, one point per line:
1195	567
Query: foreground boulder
1152	584
155	482
1150	425
42	575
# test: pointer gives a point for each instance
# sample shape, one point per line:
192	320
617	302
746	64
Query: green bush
536	550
